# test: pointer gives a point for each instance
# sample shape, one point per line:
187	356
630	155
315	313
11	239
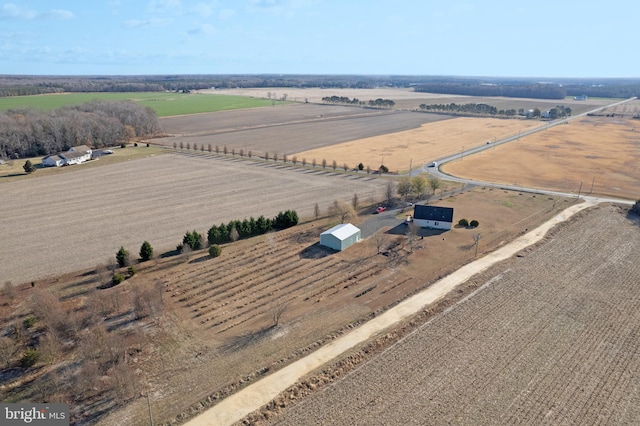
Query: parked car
434	164
108	151
380	209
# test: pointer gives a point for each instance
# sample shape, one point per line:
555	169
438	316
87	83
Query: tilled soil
550	338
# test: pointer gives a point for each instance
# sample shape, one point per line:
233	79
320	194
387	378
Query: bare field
599	151
406	98
549	338
72	221
422	145
289	129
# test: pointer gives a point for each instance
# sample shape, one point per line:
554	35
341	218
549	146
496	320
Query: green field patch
164	104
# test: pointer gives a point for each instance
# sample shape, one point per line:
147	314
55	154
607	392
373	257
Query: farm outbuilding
340	236
433	217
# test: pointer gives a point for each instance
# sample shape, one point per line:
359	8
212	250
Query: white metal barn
340	236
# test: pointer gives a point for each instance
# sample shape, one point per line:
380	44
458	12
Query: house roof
442	214
54	157
73	154
82	148
342	231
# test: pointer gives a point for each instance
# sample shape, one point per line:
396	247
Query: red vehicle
380	209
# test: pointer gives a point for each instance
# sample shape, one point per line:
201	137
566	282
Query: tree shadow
200	259
243	341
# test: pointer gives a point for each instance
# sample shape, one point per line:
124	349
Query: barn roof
342	231
442	214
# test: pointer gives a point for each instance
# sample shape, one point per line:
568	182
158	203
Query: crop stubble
87	215
553	339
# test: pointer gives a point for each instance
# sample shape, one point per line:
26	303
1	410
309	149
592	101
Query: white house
433	217
340	236
75	155
52	161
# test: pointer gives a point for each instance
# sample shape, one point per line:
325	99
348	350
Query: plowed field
289	129
90	213
551	337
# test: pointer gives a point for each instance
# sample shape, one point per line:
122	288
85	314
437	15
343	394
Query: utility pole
592	182
580	190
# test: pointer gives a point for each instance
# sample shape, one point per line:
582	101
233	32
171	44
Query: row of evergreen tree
236	229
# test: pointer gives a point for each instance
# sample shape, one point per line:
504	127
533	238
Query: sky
505	38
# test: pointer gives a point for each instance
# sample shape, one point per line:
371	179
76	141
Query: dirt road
237	406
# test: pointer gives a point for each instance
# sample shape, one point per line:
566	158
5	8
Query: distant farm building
75	155
433	217
580	98
340	236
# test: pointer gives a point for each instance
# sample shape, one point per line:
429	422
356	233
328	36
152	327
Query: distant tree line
535	91
34	132
342	100
604	91
470	108
381	103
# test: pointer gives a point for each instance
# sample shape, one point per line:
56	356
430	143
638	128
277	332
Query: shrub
463	222
117	278
122	256
636	208
360	166
29	321
215	250
474	223
131	270
383	169
122	145
29	358
193	240
146	251
135	144
29	167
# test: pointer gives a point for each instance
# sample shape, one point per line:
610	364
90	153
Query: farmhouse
433	217
340	236
75	155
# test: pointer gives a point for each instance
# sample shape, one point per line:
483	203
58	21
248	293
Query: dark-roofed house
75	155
433	217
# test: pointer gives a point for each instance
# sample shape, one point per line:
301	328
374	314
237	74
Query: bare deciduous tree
277	314
379	240
316	211
354	201
341	210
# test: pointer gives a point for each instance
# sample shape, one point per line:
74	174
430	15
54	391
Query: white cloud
204	9
204	29
165	6
227	13
12	11
142	23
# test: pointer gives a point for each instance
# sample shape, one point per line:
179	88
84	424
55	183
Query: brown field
288	129
88	214
550	337
406	98
421	146
216	332
603	152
